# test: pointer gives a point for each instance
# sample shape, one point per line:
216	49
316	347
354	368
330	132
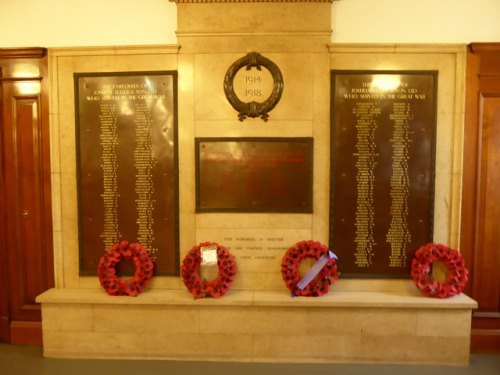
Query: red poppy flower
107	269
421	265
291	262
190	272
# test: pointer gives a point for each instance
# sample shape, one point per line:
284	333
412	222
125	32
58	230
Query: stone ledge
258	326
249	1
377	299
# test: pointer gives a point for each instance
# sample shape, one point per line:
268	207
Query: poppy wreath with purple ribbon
113	284
200	288
290	269
421	271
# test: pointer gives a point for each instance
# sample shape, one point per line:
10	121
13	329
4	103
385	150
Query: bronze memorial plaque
127	166
382	169
254	175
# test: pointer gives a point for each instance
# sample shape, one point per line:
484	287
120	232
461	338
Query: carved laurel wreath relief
253	109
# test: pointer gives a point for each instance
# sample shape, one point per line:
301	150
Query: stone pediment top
251	1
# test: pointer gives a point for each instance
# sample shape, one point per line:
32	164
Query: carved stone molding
251	1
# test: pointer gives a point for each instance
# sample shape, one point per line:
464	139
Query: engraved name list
127	181
383	127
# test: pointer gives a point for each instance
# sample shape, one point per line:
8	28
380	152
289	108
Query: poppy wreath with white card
191	267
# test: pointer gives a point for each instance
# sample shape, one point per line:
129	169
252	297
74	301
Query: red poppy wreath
421	269
113	284
200	288
327	274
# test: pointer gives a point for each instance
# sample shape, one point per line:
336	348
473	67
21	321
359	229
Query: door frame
4	297
26	330
485	334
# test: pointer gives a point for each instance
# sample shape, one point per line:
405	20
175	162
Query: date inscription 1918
253	85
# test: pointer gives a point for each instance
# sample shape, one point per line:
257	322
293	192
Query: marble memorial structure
378	319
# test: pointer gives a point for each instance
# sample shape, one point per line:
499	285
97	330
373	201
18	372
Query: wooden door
480	227
26	227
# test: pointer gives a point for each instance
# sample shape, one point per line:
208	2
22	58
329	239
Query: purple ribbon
315	269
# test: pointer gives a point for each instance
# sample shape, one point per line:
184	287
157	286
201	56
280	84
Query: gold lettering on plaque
399	235
144	187
366	155
109	165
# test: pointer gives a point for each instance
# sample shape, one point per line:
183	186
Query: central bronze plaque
254	174
127	166
382	169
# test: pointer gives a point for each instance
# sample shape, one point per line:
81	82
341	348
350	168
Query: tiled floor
24	360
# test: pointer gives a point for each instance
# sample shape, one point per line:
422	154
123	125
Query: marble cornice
250	1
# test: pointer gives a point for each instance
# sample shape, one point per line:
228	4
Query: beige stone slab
313	42
443	323
126	62
55	186
166	282
114	50
58	259
155	319
400	349
222	345
264	263
321	132
182	297
455	219
210	101
69	229
55	152
251	221
297	101
93	344
273	281
254	320
174	345
396	286
254	127
187	219
367	321
325	346
66	103
364	299
262	298
195	346
258	281
68	317
253	17
122	318
68	142
427	48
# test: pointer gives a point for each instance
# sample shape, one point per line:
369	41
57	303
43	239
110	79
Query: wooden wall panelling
4	305
481	193
26	187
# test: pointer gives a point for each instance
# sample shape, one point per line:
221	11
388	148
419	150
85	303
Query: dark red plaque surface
254	174
127	166
382	169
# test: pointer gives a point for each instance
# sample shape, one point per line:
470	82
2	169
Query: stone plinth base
257	327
